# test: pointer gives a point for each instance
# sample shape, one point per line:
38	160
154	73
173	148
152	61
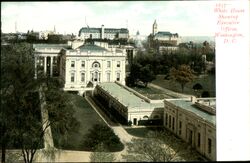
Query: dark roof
161	33
106	30
59	46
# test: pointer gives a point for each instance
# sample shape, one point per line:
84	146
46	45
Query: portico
46	58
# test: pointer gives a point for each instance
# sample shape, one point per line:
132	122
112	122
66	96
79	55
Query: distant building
103	33
193	121
162	40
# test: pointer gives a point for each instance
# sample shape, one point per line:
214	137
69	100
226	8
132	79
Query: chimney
102	32
193	99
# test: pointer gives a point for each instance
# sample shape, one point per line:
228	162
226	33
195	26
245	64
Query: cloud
174	16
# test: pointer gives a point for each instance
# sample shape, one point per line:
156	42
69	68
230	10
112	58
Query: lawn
207	82
87	117
141	131
152	93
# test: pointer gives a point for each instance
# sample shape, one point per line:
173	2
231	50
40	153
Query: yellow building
194	122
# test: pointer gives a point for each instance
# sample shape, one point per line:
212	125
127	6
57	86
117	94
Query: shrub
102	134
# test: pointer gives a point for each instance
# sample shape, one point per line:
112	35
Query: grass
87	117
141	131
152	93
207	82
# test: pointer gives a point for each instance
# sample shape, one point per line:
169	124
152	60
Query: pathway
51	154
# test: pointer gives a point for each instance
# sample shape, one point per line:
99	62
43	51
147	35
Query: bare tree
159	147
102	155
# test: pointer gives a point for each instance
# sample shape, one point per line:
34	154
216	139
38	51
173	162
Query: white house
84	67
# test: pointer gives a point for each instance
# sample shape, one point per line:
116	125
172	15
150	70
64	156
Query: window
96	65
166	119
173	124
199	139
72	77
118	76
83	64
108	77
190	140
72	63
118	63
82	77
95	76
209	146
92	76
108	64
169	125
180	126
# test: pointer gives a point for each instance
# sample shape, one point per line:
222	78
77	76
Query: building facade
103	33
47	58
86	66
127	105
194	122
163	39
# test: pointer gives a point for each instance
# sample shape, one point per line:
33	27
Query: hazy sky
182	17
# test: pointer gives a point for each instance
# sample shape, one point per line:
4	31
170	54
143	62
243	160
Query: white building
194	121
84	67
128	105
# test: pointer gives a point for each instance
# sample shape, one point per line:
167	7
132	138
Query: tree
205	94
102	134
140	73
159	146
132	79
146	75
16	82
21	125
182	75
101	154
148	150
197	87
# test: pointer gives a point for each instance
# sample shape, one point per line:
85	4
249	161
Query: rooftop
126	97
106	30
51	46
91	47
189	106
163	33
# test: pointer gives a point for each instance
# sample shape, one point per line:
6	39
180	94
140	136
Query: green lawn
87	117
142	131
207	82
152	93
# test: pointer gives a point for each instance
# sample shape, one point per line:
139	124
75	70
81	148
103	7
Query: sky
186	18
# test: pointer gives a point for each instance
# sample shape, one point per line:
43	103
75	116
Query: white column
51	66
45	65
35	67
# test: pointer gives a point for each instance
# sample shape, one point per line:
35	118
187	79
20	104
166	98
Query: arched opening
96	65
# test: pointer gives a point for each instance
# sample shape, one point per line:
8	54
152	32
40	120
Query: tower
15	27
154	28
102	32
54	29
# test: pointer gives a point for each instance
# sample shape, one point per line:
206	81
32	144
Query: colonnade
45	64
